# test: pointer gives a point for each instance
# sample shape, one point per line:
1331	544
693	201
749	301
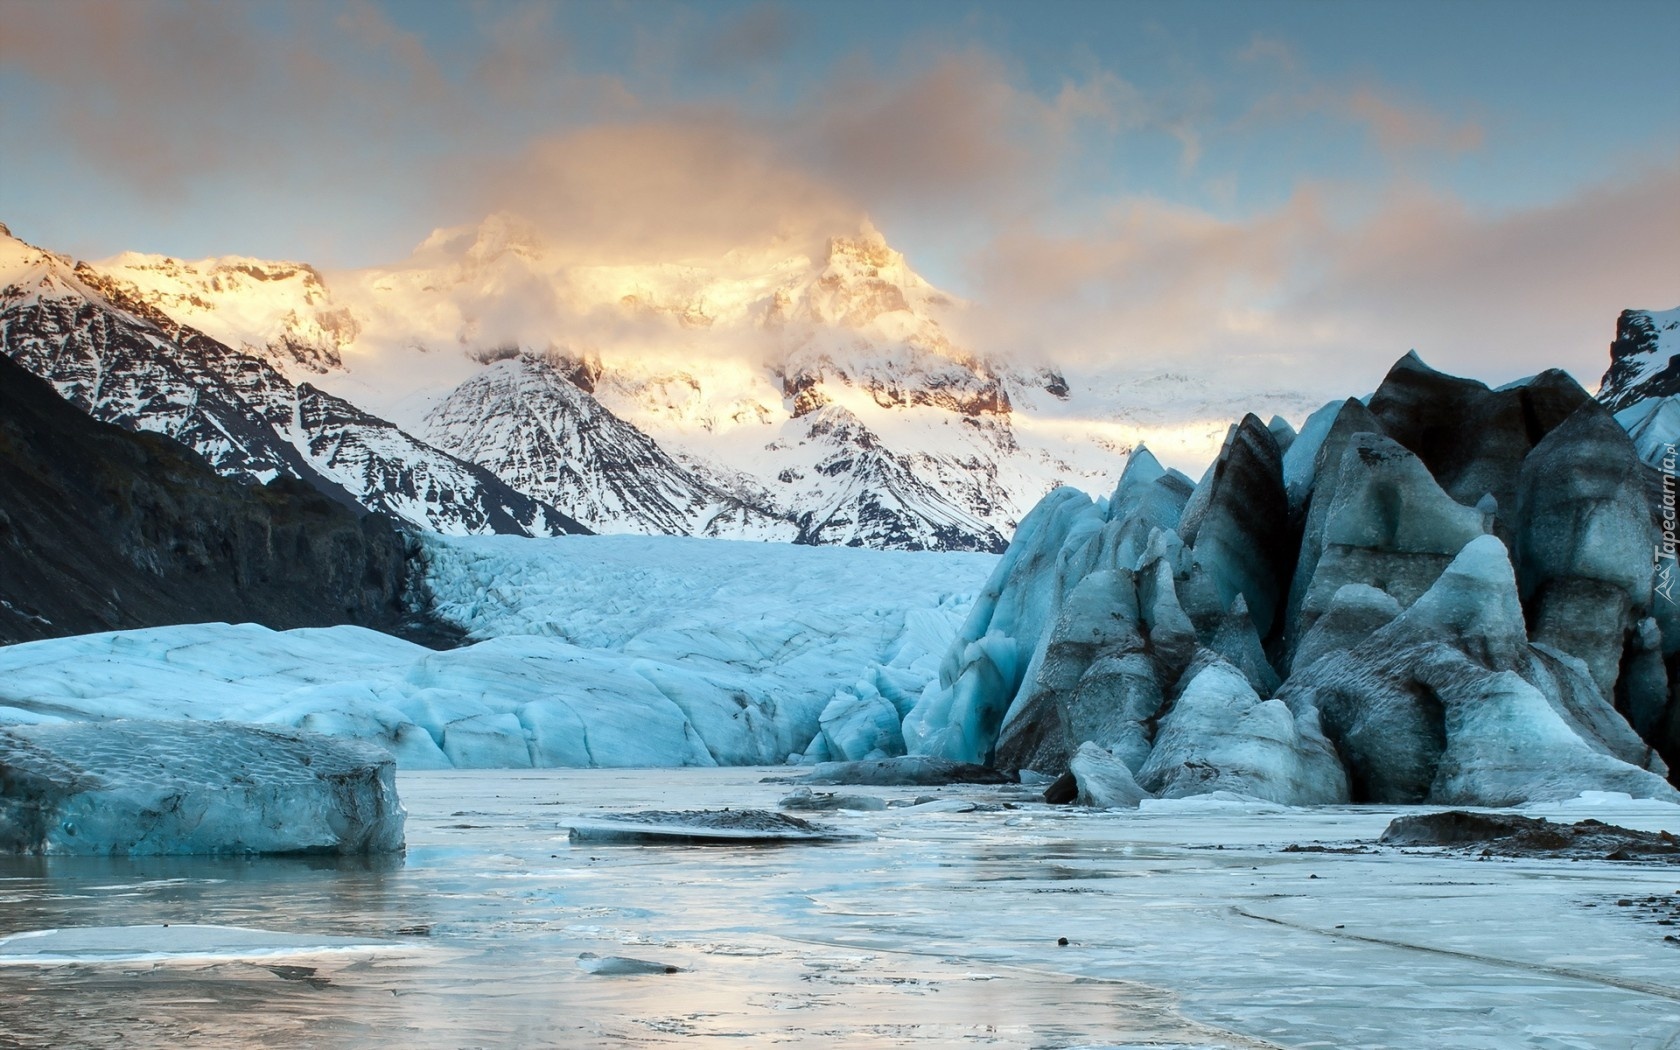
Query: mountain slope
542	433
103	529
1644	359
725	363
123	360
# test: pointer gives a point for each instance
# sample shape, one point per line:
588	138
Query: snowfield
586	651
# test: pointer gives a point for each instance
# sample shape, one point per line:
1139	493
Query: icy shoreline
1188	926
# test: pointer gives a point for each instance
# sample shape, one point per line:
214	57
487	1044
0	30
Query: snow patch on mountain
281	312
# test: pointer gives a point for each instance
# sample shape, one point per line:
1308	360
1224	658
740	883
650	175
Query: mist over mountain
502	380
783	391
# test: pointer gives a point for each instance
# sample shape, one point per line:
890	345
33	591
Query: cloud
1401	129
1295	295
681	188
1508	295
184	101
948	130
756	36
115	75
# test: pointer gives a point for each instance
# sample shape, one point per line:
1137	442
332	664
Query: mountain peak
1644	359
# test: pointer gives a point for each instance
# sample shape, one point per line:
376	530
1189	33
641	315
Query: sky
1270	189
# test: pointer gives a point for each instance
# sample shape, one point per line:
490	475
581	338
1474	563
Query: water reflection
943	931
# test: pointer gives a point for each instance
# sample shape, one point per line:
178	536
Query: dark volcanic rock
102	529
1508	835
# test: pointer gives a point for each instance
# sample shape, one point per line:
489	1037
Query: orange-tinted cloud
1330	304
666	189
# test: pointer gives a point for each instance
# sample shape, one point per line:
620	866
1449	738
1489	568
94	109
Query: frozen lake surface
1188	926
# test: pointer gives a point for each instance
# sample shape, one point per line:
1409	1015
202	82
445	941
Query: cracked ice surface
1189	927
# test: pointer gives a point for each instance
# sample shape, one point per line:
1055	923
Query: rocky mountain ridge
103	529
723	364
1644	359
820	396
124	359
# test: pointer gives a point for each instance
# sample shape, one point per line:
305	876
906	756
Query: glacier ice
1654	426
1237	521
1379	516
1338	614
1584	543
1104	780
128	788
1390	703
1220	736
958	717
603	652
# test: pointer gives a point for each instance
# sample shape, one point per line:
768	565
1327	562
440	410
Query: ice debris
706	827
131	788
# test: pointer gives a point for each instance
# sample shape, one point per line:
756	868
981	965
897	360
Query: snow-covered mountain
820	391
1644	359
780	391
281	312
113	351
528	421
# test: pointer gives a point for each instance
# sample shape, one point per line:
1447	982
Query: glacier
585	651
1442	593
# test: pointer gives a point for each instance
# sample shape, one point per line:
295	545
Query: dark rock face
102	529
1644	359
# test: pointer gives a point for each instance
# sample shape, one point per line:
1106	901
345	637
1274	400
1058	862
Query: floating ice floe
707	827
622	965
133	788
173	942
